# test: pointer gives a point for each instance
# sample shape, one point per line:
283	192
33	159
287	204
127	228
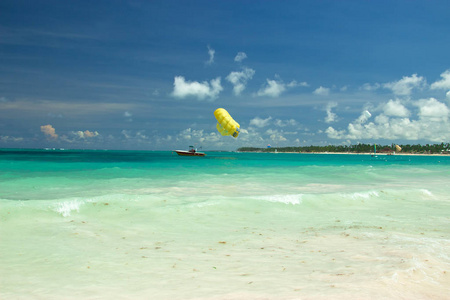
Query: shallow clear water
153	225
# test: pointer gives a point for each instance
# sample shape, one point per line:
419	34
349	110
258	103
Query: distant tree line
358	148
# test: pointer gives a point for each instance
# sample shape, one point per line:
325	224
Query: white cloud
138	137
404	86
198	136
275	88
370	87
331	116
444	83
240	56
294	83
128	116
433	110
258	122
276	136
126	134
183	88
239	79
365	115
7	139
281	123
49	131
187	134
431	123
322	91
86	134
335	134
272	89
211	53
395	109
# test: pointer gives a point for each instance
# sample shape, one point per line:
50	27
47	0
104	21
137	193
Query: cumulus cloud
190	133
275	135
322	91
404	86
365	115
431	123
258	122
198	136
335	134
86	134
444	83
275	88
395	109
272	89
49	131
239	79
183	88
433	110
211	53
331	116
240	56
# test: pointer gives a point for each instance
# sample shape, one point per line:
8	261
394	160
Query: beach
154	225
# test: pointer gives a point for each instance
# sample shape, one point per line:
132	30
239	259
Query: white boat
191	152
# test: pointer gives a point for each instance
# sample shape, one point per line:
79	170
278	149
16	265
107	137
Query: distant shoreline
353	153
364	149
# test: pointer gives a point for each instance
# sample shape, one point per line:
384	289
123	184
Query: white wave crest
426	192
65	208
365	195
286	199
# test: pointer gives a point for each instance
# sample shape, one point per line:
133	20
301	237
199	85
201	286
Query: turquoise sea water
154	225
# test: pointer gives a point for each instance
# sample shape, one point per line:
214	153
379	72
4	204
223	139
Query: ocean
155	225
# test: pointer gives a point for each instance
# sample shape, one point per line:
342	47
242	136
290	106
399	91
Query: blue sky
149	74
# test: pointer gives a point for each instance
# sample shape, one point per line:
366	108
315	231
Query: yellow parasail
398	148
225	123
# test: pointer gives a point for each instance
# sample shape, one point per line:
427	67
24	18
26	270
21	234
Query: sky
148	75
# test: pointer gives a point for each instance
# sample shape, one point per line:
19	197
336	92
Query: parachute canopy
225	123
398	148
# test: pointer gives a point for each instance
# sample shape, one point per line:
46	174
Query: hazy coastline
352	153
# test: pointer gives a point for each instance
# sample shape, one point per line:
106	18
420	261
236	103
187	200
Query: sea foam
426	192
65	208
364	195
286	199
